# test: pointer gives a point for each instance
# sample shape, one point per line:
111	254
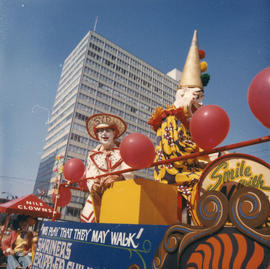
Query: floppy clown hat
104	120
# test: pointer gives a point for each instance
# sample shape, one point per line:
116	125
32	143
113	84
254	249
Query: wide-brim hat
105	120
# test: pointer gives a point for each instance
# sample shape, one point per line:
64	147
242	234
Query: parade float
196	213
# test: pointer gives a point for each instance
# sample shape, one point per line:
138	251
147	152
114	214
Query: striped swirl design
250	206
249	209
228	250
244	244
212	209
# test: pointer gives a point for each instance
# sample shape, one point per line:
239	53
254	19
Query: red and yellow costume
174	140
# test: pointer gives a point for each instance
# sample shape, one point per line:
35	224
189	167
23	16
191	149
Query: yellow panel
139	201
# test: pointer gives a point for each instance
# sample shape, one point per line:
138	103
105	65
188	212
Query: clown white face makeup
106	137
189	98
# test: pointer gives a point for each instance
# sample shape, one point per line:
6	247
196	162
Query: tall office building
99	76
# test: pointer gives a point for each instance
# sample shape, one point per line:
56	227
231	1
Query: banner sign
240	168
71	245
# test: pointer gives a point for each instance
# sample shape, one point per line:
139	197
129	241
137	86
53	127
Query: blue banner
72	245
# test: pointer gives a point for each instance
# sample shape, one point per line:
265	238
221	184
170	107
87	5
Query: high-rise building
99	76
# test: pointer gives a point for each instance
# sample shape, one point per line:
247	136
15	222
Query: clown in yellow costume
173	135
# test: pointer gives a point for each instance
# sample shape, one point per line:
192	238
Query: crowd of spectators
19	243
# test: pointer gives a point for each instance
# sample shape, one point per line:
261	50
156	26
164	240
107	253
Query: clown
173	135
105	158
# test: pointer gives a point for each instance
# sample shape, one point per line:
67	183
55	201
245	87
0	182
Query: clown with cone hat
173	135
190	90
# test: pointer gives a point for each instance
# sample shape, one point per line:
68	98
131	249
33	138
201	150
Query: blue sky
37	35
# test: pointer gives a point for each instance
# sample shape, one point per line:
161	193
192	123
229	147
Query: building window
117	102
105	88
79	138
89	80
86	98
97	40
110	48
106	79
94	55
102	105
72	211
117	111
131	108
78	150
80	116
120	69
96	48
109	55
123	56
88	89
130	117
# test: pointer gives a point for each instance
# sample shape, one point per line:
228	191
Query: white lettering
122	239
81	234
66	232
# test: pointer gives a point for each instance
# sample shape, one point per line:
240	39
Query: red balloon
73	169
137	150
64	196
259	96
209	126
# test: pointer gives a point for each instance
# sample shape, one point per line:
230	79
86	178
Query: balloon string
189	156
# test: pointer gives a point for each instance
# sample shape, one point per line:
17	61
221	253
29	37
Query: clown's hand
108	181
96	188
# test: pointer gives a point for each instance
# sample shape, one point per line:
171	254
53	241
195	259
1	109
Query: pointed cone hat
191	75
